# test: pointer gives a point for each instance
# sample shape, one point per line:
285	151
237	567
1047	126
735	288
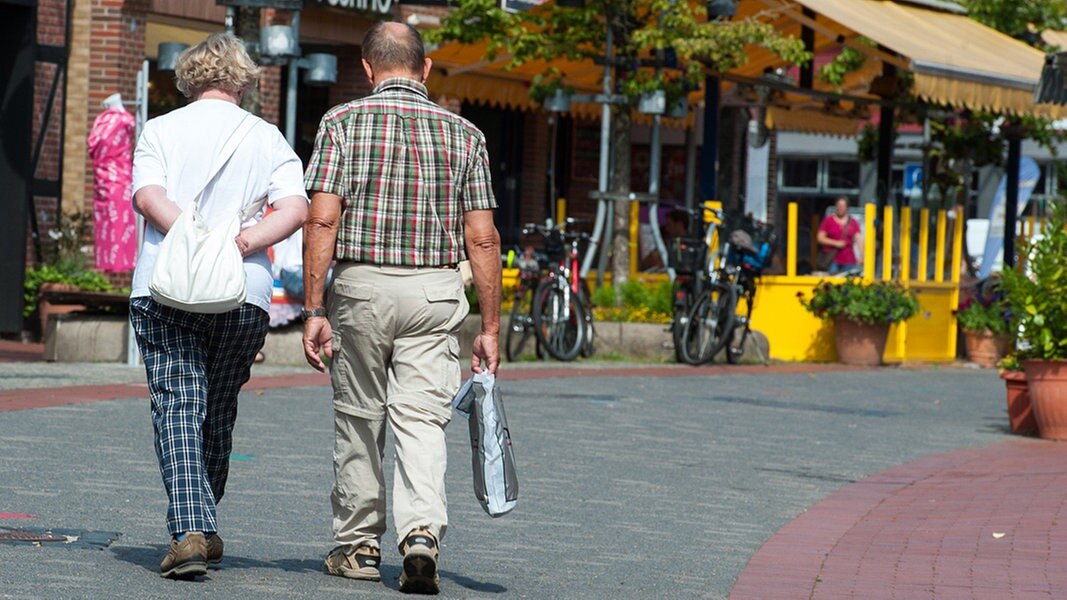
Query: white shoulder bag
199	269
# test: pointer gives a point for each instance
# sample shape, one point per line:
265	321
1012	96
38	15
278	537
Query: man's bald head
391	47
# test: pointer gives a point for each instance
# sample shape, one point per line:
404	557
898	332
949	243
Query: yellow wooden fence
797	335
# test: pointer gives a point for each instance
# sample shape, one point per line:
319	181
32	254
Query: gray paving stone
630	488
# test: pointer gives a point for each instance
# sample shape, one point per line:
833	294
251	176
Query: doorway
17	52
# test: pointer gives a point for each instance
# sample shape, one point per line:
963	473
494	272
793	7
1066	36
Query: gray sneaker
185	559
361	563
420	563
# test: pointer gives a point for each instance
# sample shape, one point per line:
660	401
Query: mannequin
111	149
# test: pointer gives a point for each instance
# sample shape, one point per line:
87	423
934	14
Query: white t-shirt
177	151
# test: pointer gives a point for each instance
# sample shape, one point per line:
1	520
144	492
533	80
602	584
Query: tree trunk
247	28
620	184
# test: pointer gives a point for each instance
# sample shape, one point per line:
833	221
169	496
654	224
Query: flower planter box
985	348
1047	382
859	343
1020	413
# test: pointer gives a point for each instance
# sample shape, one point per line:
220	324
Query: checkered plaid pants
196	365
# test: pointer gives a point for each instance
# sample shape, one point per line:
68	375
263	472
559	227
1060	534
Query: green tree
639	28
1018	18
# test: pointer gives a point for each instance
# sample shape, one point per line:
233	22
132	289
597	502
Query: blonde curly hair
219	62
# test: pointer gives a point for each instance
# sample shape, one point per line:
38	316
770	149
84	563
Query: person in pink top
838	237
111	148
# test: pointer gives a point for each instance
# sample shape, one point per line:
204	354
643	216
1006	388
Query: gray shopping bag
496	485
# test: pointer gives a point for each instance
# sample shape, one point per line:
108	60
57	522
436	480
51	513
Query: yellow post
813	251
957	248
905	245
939	251
887	243
924	242
561	210
957	257
870	211
635	217
791	241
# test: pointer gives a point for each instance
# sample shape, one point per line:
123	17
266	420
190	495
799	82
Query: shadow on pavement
391	580
148	558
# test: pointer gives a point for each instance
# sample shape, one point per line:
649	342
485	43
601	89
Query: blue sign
913	180
1029	174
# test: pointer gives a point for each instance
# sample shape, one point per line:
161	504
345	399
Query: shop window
843	174
163	94
800	173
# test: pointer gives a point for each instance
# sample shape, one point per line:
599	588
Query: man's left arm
483	249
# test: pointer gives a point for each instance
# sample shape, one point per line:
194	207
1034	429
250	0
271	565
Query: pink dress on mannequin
111	149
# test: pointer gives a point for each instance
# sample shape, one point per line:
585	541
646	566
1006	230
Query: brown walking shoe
361	563
420	563
214	549
185	559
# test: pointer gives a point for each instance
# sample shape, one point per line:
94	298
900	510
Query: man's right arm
483	249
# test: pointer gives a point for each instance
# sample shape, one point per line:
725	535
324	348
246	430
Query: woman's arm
288	216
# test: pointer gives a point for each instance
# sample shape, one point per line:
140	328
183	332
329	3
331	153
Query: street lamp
168	55
279	44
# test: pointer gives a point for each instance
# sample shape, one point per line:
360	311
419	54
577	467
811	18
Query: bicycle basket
687	255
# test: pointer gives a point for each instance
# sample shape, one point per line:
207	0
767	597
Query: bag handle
234	141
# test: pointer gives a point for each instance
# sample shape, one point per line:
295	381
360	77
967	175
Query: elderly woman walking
196	362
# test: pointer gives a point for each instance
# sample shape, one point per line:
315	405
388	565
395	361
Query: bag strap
234	141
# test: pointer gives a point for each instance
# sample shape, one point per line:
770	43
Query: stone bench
87	337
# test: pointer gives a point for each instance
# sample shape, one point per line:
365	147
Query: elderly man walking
401	195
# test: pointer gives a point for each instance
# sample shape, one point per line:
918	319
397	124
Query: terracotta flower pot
1047	382
1020	414
859	343
46	309
985	348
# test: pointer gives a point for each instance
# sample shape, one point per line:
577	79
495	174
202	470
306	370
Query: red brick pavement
12	351
978	523
22	399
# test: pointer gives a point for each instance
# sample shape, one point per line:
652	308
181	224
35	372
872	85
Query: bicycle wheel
558	320
735	348
711	320
520	325
590	331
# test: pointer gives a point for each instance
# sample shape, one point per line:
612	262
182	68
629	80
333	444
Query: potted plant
985	320
1036	299
862	313
65	269
1020	413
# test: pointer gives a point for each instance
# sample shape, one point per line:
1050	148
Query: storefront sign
378	6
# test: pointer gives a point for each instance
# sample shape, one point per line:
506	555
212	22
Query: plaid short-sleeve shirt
406	170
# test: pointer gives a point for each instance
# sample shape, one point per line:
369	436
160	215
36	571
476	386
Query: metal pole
133	355
655	161
710	156
290	93
690	166
602	181
1011	200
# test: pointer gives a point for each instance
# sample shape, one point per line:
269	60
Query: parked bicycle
560	312
521	324
712	274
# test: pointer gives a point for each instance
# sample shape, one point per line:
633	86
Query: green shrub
852	298
641	303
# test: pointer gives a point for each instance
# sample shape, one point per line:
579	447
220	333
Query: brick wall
270	98
352	80
51	31
535	154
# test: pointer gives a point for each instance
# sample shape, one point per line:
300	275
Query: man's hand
486	353
318	337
